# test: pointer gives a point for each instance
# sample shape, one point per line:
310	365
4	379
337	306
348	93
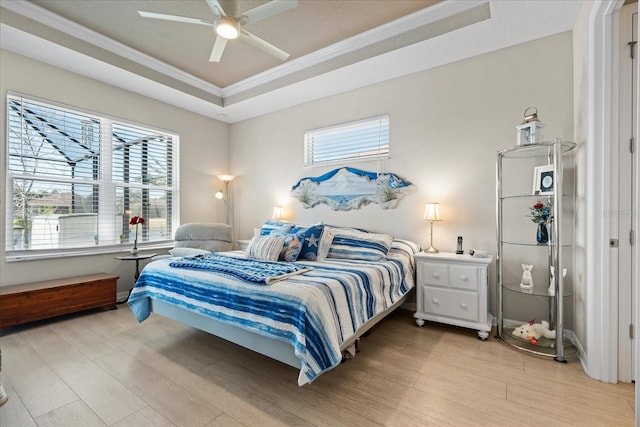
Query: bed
304	311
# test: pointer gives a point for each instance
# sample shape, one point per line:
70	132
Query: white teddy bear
534	331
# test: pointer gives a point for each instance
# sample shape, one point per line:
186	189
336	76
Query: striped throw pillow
265	248
275	227
358	245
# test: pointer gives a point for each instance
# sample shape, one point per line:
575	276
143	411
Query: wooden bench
41	300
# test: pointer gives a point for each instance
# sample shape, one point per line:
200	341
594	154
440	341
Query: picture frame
544	180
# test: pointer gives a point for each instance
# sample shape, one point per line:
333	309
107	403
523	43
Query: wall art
346	188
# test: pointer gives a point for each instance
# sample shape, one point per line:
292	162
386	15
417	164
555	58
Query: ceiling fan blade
263	45
266	10
176	18
218	49
216	7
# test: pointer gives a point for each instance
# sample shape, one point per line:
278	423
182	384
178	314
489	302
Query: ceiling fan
229	28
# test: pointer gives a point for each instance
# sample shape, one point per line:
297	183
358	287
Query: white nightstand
243	244
453	289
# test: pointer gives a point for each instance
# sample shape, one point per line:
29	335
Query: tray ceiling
312	25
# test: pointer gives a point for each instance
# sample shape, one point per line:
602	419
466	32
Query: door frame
603	117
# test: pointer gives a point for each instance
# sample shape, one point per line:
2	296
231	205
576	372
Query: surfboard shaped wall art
345	189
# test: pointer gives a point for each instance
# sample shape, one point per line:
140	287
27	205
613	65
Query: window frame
105	184
342	156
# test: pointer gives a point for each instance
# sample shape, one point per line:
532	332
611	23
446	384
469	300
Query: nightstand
243	244
453	289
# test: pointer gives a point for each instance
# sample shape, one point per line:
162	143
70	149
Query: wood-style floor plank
104	368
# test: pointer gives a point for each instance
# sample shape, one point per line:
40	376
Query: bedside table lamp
432	214
278	213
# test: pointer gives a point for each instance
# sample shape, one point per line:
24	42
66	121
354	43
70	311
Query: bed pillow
405	245
325	243
187	252
310	237
275	227
291	248
352	244
265	248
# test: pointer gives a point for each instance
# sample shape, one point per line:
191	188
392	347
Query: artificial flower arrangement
541	213
136	220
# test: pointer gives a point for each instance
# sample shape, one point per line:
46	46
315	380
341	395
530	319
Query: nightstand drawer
463	277
435	274
450	303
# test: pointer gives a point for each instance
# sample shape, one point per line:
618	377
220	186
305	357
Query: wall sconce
432	214
278	213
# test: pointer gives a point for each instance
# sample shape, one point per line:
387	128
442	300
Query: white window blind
76	178
359	140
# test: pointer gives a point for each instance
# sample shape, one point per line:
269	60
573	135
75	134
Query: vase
542	235
134	250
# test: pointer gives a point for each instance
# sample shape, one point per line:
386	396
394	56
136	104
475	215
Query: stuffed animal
534	331
527	281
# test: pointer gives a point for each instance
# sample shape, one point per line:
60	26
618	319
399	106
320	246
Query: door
627	203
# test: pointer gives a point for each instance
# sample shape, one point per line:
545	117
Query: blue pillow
310	237
275	227
292	247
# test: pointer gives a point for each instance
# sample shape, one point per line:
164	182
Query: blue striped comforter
315	312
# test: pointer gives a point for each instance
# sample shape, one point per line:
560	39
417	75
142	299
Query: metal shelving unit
517	245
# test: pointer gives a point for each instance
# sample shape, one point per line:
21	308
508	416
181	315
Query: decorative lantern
531	130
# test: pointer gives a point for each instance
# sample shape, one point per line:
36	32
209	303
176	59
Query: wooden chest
41	300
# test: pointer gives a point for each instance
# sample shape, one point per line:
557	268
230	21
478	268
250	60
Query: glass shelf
530	196
545	347
536	292
543	245
537	149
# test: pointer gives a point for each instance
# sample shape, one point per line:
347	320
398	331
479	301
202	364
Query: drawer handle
435	301
464	278
463	306
436	275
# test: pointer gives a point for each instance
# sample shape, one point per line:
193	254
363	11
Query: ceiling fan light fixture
227	28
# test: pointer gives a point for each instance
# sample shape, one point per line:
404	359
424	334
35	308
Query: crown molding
394	28
399	26
59	23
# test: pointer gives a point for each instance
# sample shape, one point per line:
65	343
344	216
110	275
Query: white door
627	203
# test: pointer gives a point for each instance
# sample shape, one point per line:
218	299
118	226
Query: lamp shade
432	212
278	213
226	178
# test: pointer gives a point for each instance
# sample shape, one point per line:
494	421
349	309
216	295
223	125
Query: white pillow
265	248
325	243
187	252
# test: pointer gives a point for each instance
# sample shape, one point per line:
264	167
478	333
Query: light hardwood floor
103	368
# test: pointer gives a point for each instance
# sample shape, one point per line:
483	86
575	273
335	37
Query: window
76	178
361	140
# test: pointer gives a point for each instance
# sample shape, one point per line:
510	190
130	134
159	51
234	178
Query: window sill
40	255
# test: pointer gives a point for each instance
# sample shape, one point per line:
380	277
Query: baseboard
122	296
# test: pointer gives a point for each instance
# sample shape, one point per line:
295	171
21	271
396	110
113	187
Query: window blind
359	140
75	178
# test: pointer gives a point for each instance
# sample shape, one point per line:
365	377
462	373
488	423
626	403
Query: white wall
446	126
203	154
